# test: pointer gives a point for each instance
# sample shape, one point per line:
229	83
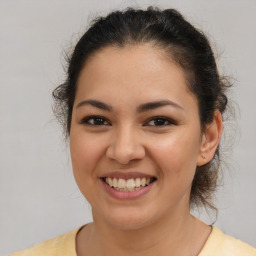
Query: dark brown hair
169	31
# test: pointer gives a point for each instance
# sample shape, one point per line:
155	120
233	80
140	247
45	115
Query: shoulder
222	244
61	245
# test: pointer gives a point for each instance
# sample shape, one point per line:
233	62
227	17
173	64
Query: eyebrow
95	103
157	104
141	108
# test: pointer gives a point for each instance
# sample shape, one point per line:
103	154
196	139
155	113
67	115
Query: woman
143	105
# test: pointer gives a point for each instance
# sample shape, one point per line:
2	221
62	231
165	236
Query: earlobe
210	140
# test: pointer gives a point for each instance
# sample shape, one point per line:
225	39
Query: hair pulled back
181	42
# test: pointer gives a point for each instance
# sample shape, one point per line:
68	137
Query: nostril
124	154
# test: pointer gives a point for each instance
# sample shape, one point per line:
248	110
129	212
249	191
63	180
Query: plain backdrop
38	196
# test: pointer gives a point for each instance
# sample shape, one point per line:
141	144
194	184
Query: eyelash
87	120
161	119
105	122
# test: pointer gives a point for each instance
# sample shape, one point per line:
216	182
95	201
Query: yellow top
218	244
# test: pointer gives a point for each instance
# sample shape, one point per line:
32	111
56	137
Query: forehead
140	71
145	58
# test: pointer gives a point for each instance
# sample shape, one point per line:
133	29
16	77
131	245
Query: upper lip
126	175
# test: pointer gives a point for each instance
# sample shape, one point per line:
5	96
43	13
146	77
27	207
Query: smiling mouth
129	185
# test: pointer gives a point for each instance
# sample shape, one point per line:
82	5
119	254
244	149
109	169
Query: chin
128	219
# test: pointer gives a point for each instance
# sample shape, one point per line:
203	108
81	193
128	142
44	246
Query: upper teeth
127	185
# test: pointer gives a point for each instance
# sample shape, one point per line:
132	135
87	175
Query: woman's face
134	121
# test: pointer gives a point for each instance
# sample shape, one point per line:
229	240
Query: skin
127	139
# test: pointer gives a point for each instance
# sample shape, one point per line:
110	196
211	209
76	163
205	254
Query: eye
159	121
95	121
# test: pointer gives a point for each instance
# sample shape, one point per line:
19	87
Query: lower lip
126	195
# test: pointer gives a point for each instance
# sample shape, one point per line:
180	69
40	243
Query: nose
125	146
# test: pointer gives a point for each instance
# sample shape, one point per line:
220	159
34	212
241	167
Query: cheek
86	151
176	164
176	157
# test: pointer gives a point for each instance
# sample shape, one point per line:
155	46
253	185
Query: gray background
38	196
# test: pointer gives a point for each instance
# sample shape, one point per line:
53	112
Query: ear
210	140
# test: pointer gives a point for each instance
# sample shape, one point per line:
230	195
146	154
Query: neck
177	234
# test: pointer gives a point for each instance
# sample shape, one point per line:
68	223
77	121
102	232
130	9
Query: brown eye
95	121
159	121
